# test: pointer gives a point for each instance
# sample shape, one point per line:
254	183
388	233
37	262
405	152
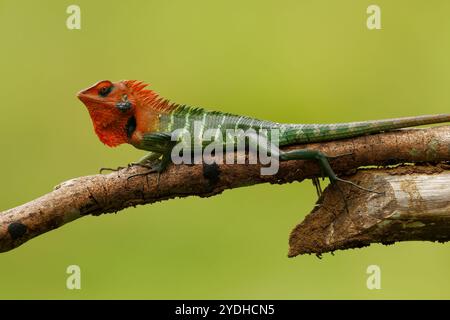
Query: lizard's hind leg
307	154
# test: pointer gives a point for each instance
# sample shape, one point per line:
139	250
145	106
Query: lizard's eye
104	91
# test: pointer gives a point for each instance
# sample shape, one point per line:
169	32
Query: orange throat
110	126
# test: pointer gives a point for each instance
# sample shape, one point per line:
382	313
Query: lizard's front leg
145	162
154	162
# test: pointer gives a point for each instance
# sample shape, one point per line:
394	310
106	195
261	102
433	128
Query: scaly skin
184	117
126	112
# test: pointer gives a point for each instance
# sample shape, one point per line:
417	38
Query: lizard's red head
112	107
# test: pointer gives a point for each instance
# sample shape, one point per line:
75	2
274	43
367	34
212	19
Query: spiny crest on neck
150	98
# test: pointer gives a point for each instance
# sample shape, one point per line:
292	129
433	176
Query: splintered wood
414	205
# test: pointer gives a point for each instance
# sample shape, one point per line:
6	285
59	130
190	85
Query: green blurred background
288	61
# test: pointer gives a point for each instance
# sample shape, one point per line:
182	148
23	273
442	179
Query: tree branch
415	206
99	194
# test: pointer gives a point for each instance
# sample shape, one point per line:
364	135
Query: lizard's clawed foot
130	165
110	169
152	168
336	179
316	183
158	168
146	165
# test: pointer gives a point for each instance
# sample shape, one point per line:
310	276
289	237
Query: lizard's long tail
303	133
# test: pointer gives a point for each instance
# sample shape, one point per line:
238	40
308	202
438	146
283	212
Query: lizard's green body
184	117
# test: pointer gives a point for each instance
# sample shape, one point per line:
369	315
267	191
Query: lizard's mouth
91	101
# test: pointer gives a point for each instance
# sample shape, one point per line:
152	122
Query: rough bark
415	205
112	192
